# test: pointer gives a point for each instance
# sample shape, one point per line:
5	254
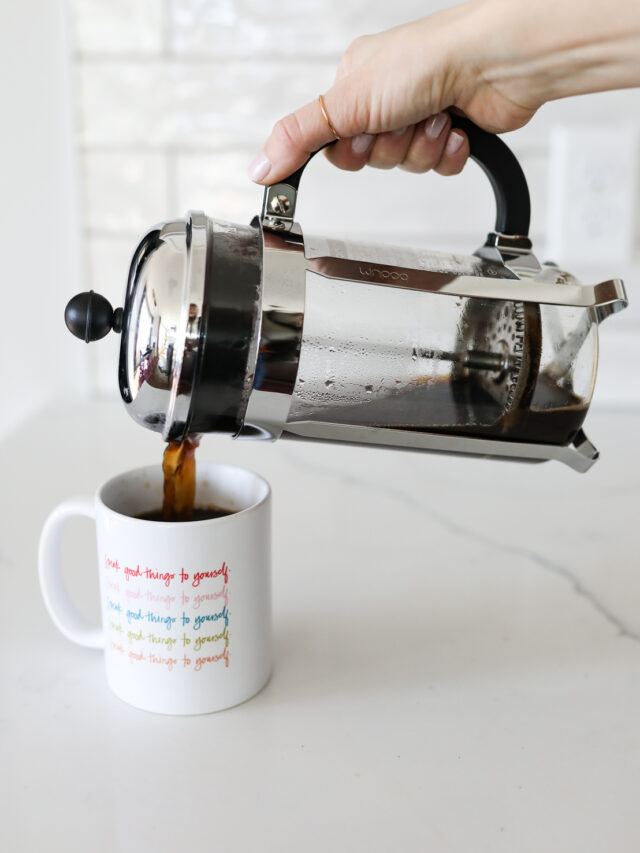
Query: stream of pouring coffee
179	469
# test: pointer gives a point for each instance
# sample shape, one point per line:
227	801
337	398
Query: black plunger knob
90	316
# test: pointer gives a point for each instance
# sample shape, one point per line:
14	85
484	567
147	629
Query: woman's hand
496	60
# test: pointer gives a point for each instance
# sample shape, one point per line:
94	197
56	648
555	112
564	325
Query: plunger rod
472	359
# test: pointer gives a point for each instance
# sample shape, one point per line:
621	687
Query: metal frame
506	270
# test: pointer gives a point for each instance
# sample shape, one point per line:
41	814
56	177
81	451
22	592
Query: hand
496	60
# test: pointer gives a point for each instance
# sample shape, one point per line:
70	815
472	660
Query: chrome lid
162	325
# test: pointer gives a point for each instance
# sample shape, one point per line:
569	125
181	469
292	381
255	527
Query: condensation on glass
382	356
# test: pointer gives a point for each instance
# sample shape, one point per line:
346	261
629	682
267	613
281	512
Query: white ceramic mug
186	607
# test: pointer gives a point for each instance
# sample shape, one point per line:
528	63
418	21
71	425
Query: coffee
179	469
465	409
179	490
198	513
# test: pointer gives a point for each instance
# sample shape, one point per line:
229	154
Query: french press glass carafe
260	331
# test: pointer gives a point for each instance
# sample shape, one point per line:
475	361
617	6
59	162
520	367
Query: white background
119	114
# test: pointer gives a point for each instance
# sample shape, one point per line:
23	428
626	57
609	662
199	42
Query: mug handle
60	607
495	158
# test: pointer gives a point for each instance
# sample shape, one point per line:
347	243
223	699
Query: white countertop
457	659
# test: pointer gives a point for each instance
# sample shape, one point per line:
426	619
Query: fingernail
360	143
260	167
400	131
454	142
435	125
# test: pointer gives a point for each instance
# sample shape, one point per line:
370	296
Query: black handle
498	162
500	165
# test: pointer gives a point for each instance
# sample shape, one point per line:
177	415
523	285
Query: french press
262	332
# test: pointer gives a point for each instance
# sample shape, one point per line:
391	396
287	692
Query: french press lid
186	324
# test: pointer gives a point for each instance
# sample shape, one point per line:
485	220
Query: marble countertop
457	659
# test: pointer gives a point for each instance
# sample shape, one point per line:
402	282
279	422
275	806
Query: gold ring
326	117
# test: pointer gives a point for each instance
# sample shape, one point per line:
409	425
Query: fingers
383	150
390	149
351	154
455	154
297	135
435	146
427	144
431	144
291	141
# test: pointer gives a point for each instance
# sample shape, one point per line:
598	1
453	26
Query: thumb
299	134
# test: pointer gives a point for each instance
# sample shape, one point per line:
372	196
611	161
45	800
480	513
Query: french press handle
495	158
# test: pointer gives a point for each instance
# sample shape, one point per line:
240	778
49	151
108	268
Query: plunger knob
90	316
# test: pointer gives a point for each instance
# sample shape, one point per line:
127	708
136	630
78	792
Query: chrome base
579	455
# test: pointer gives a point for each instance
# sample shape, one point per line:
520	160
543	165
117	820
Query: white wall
38	226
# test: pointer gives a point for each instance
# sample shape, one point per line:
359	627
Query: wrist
557	48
